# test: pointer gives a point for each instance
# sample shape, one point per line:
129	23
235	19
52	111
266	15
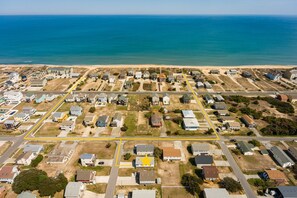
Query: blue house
102	121
40	98
274	75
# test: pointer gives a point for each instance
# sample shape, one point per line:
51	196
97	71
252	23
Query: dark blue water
178	40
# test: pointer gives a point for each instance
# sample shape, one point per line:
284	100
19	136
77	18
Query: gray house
155	99
281	157
144	149
75	110
102	98
74	190
220	106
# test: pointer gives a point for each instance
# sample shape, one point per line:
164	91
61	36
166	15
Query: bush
279	126
178	120
177	111
255	114
192	183
231	185
108	145
92	109
283	107
127	156
158	152
124	128
36	161
250	133
233	109
34	179
255	143
238	99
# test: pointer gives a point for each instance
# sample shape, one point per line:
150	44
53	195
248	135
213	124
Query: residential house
94	76
130	72
122	100
102	98
21	117
186	98
210	173
14	77
218	98
106	76
89	119
286	191
60	71
111	79
86	176
8	173
70	98
156	120
233	126
12	97
138	75
29	110
29	97
75	75
61	153
199	84
248	121
281	157
225	119
80	97
200	148
26	194
87	159
75	110
128	84
146	74
208	99
293	153
275	175
273	75
162	77
214	71
50	97
190	124
222	112
231	72
166	99
74	190
35	148
122	75
203	160
67	125
112	98
92	98
26	158
143	194
40	98
144	149
154	76
195	73
292	98
264	152
102	121
220	106
291	74
155	99
59	116
207	85
282	97
144	162
215	193
38	82
117	120
11	124
246	74
171	154
170	78
245	148
146	177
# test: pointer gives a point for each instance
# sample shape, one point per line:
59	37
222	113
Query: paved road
110	189
236	170
17	141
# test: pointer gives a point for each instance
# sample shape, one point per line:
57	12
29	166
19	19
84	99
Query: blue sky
227	7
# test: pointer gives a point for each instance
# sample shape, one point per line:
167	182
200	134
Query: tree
158	152
127	156
108	145
92	109
209	132
231	185
36	161
255	143
233	109
124	128
191	183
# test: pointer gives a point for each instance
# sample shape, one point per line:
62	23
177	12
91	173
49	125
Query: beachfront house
273	75
291	74
12	97
138	75
146	74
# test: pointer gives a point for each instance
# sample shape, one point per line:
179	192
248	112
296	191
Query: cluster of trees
231	185
36	161
252	112
279	126
261	184
191	183
283	107
34	179
255	143
238	99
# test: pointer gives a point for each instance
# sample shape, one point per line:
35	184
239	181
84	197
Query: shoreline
155	66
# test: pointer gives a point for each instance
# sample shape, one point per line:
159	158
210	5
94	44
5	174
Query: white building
190	124
14	77
67	125
74	190
166	99
138	75
87	159
13	97
26	158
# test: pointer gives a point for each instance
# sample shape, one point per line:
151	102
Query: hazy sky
256	7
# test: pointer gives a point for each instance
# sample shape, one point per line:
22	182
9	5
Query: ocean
170	40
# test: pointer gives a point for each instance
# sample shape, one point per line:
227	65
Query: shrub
158	152
127	156
124	128
108	145
36	161
192	183
283	107
231	185
279	126
233	109
92	109
255	143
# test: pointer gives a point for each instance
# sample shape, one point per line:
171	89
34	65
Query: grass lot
98	148
125	172
176	193
229	84
130	122
49	129
97	188
100	170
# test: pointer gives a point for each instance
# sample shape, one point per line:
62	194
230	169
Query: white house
26	158
190	124
21	117
111	79
138	75
87	159
166	99
13	97
200	148
29	110
144	162
117	120
74	190
67	125
14	77
144	149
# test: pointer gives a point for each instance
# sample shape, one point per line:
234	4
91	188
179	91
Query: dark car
101	163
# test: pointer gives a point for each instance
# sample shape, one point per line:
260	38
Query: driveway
102	179
98	131
179	145
107	162
116	132
89	194
221	163
127	181
86	131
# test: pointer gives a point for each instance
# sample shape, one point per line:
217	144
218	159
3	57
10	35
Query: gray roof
280	155
200	147
58	114
145	148
143	193
288	191
26	194
33	148
216	192
117	116
245	147
203	159
75	108
20	115
73	189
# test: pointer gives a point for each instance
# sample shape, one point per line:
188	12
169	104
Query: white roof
73	189
188	114
144	194
191	122
216	192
